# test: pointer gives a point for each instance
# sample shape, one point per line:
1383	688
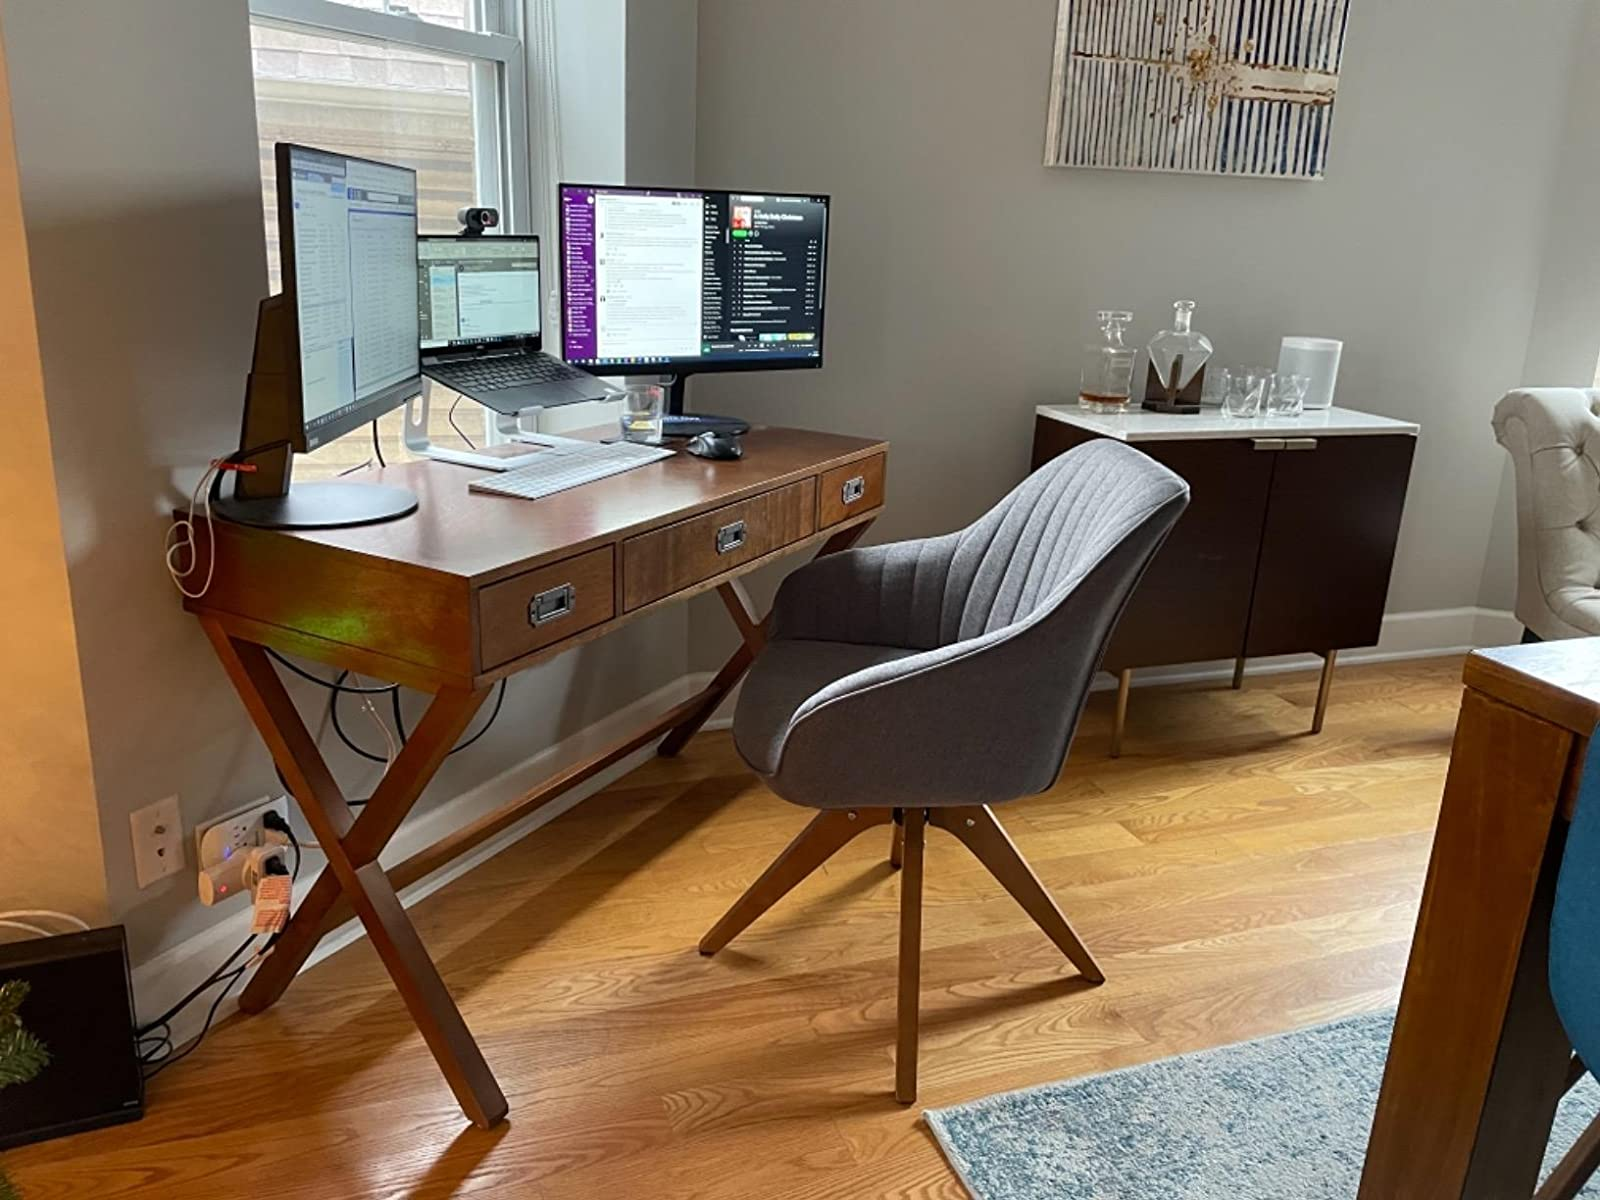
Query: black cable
204	1029
328	683
399	717
461	433
165	1018
344	737
377	449
500	698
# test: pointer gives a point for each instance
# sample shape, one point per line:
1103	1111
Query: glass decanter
1106	383
1177	354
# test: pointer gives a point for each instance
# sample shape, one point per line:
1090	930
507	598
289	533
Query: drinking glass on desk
642	406
1245	389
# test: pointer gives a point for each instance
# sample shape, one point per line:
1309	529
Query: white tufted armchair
1553	435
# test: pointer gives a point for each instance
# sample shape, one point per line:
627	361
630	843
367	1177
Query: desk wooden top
1557	681
480	537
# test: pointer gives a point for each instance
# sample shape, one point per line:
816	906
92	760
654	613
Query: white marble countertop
1137	425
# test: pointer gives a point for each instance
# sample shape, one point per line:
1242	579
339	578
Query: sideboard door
1333	517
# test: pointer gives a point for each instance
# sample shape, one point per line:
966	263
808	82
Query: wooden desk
473	588
1478	1060
1286	545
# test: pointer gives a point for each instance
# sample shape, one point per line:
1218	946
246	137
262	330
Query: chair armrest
886	595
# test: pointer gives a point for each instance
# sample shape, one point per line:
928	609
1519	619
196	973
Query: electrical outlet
157	841
222	846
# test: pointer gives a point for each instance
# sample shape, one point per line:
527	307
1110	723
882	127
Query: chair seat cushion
785	675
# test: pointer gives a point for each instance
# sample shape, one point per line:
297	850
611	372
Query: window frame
499	76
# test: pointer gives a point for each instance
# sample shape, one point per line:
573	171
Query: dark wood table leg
737	600
352	847
1478	1060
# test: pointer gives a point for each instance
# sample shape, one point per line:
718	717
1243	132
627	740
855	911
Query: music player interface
656	277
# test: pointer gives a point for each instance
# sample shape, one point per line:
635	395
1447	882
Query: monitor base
688	425
329	504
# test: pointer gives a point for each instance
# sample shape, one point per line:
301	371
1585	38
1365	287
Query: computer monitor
477	293
339	347
683	281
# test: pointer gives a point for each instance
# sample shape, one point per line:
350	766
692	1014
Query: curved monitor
348	232
681	281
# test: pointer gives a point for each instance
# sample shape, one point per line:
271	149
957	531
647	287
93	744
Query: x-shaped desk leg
754	633
352	845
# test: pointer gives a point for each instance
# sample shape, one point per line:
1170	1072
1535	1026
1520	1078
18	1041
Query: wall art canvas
1215	87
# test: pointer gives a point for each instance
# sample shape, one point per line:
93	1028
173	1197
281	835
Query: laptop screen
477	291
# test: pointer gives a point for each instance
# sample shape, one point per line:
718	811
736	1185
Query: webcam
475	220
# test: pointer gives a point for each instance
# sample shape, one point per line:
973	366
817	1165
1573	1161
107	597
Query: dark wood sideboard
1286	547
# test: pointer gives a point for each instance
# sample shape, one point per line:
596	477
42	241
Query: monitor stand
676	423
264	496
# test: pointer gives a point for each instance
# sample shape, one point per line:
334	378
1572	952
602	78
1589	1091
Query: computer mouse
715	445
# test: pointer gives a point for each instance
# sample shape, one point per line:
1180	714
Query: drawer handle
1267	443
854	489
730	537
1300	444
553	604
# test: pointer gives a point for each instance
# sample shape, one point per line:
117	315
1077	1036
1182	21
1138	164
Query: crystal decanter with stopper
1106	383
1177	364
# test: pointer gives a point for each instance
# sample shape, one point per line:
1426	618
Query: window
435	85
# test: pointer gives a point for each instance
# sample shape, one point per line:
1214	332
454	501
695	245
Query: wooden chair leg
910	990
819	841
1575	1169
897	847
978	829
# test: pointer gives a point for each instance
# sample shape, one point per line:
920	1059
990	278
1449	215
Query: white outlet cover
157	841
218	840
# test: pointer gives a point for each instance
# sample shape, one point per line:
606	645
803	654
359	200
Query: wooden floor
1234	876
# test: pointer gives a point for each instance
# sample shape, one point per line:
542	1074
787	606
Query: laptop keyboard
493	374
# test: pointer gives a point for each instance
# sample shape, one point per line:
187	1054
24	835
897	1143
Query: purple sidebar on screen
579	320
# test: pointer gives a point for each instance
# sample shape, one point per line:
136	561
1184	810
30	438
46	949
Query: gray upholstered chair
1553	437
919	683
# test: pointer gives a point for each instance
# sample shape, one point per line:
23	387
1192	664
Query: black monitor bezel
534	342
681	367
380	403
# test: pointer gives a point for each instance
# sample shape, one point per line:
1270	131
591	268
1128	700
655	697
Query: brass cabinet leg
897	848
905	1055
1238	673
828	832
1323	687
1124	684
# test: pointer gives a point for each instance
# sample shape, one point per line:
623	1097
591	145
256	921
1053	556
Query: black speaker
79	1005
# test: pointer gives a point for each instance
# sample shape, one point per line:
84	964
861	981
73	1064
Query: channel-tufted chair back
1553	436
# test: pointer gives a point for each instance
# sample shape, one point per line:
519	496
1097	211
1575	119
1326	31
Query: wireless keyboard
571	463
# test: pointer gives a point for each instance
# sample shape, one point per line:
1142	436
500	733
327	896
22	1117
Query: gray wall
964	276
135	131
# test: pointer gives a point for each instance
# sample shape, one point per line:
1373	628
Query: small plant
22	1056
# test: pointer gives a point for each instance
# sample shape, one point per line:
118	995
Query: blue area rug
1283	1117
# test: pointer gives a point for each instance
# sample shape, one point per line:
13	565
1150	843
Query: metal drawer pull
1267	443
854	489
730	537
552	604
1300	444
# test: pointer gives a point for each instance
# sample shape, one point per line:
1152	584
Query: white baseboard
164	979
1432	633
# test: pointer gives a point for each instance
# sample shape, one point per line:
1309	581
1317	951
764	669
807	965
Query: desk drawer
667	560
848	490
530	611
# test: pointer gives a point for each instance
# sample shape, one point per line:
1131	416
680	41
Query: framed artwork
1214	87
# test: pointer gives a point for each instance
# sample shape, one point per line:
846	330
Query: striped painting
1216	87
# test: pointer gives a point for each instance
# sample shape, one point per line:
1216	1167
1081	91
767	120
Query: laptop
478	304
